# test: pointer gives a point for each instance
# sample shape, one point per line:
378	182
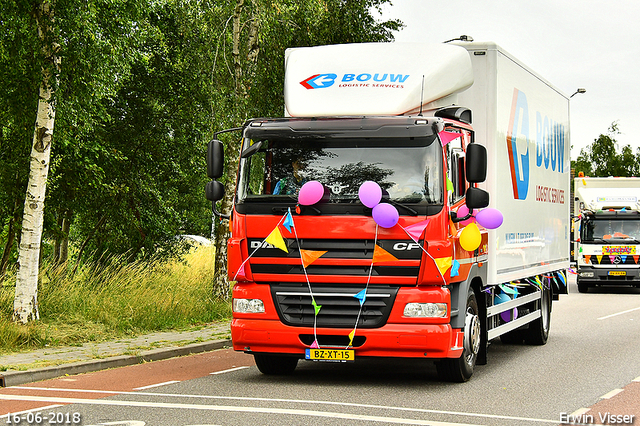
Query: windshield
610	229
408	170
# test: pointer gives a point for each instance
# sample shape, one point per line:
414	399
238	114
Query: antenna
421	96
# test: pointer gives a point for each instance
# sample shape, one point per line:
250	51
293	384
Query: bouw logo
322	81
519	161
319	81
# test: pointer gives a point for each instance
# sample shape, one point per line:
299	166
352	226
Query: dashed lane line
170	382
229	370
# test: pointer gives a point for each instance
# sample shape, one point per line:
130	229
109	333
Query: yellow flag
351	335
276	240
310	256
381	255
443	263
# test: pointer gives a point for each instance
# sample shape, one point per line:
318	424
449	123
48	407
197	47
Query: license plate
330	354
618	273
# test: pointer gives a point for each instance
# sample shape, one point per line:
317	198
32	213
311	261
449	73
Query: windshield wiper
397	204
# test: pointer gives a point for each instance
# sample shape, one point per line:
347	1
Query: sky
573	44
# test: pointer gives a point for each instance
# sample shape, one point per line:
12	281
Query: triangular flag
562	278
351	335
449	185
381	255
587	258
276	240
599	259
415	231
314	345
288	221
455	267
443	263
623	258
316	307
612	258
508	290
310	256
361	296
635	259
446	137
240	273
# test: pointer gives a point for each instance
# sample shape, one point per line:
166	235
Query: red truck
362	224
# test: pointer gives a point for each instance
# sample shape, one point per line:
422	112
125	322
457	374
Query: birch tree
25	307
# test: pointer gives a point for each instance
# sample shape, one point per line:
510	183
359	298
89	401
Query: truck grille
339	307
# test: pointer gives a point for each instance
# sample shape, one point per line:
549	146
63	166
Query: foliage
602	159
117	298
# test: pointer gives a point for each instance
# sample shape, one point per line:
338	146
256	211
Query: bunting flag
361	296
381	255
449	184
310	256
455	267
635	259
276	240
599	257
612	258
240	272
443	264
623	257
288	221
415	231
562	278
314	345
316	307
446	137
351	336
509	290
587	258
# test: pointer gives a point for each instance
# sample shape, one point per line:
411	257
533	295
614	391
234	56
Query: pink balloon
370	194
385	215
489	218
310	193
463	210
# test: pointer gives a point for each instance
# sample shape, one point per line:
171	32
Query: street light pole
579	90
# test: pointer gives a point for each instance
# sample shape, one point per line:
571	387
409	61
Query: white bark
25	305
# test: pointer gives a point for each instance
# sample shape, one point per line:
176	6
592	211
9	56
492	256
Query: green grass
104	302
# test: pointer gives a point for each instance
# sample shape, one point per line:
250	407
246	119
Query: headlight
587	274
425	310
248	306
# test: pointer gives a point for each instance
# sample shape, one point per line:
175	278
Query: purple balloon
509	315
385	215
489	218
370	194
310	193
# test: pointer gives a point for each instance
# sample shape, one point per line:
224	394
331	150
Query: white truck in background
607	231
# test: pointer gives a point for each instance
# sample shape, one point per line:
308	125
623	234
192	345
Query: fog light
248	306
587	274
425	310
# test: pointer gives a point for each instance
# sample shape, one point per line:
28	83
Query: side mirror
251	150
476	163
476	198
214	191
215	159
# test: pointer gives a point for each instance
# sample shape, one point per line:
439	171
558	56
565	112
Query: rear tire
276	365
538	331
461	369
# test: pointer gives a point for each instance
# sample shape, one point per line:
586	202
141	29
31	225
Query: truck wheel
538	330
460	369
582	286
277	365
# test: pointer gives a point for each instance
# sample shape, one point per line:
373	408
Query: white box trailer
523	120
607	231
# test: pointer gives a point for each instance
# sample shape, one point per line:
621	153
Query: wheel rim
546	309
471	336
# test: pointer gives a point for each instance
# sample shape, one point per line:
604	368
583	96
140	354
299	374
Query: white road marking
579	412
170	382
619	313
48	407
228	371
637	379
611	394
298	401
264	410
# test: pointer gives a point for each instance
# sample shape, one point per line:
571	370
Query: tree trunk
25	305
11	238
244	68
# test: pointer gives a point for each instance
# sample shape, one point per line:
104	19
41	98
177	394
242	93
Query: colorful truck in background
412	203
607	235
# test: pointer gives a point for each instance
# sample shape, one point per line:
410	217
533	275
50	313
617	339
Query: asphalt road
592	353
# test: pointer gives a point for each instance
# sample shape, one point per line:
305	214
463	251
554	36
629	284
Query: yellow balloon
470	237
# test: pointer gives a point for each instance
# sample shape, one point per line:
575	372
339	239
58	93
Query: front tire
583	287
538	331
275	365
461	369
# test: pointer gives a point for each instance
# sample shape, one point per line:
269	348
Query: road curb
14	378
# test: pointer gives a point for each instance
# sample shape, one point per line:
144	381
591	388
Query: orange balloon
470	237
